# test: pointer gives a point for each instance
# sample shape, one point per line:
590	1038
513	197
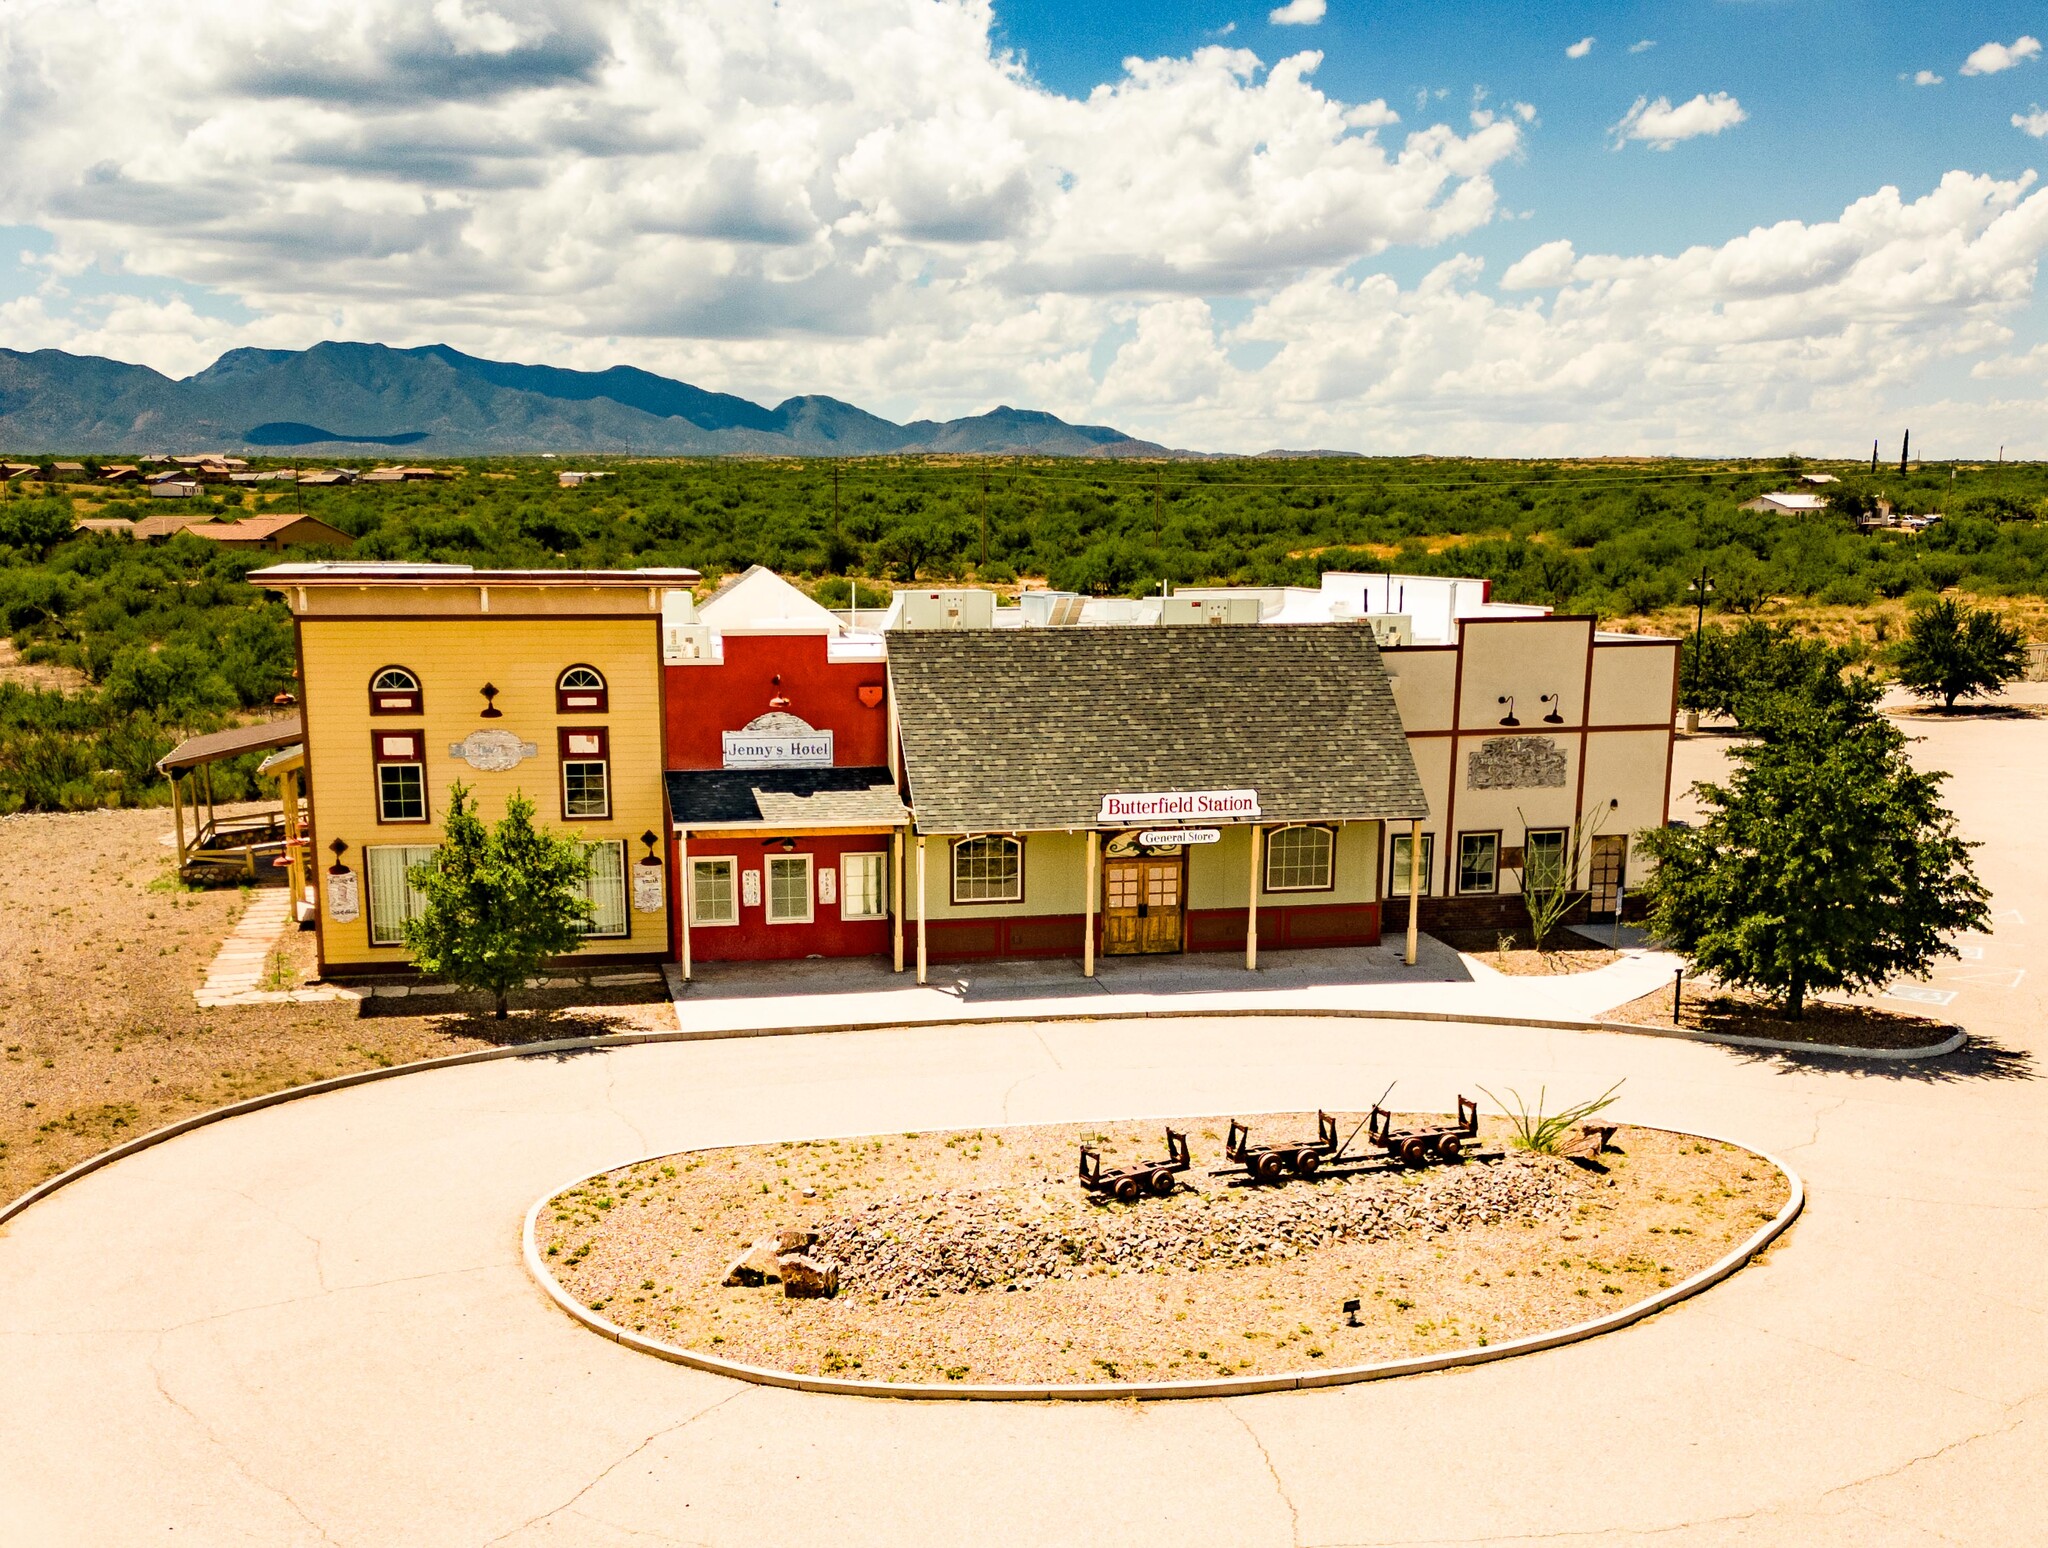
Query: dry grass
1739	1013
1879	623
100	1040
42	675
648	1246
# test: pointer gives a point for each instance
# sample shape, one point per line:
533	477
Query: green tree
500	902
1721	668
1952	651
1826	862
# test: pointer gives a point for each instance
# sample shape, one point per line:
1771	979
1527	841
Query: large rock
805	1278
758	1265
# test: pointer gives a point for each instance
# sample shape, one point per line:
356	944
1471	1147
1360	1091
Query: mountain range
336	398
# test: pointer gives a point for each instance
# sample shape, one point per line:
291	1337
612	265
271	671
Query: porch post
685	889
896	897
1414	886
178	817
1251	924
1088	916
920	909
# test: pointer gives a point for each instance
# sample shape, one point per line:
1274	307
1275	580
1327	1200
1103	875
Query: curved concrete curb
571	1045
1238	1386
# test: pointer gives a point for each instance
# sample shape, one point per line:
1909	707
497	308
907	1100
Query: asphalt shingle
785	798
1029	729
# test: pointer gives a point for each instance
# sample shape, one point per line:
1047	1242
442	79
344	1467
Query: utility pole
1157	491
835	501
1700	589
984	515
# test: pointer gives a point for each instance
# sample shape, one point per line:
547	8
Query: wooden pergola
226	841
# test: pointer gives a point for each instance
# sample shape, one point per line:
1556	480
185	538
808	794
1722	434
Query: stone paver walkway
239	967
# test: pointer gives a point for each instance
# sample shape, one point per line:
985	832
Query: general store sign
1179	806
1173	838
778	750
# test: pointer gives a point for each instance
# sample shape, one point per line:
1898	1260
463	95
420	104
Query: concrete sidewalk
771	996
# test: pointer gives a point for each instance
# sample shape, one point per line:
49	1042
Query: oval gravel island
974	1257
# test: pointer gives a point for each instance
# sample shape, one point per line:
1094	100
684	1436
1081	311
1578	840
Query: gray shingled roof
1031	728
785	798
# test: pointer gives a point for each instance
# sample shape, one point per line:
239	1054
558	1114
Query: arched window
1298	859
394	691
988	870
580	690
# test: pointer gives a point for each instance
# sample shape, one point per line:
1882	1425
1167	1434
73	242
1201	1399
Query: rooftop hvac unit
682	644
962	609
1209	610
1392	628
1051	609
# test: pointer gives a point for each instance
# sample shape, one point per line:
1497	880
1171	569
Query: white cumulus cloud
1926	78
2034	121
1661	126
1993	58
1298	13
1642	45
1580	49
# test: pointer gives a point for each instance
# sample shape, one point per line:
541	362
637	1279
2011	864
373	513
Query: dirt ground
1738	1013
649	1246
100	1040
1514	951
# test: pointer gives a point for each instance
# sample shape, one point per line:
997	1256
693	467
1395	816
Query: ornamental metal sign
1195	805
493	752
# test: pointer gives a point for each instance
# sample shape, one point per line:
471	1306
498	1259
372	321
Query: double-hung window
586	772
1478	862
399	764
393	897
789	889
1544	859
1299	859
864	885
606	889
988	870
714	891
1398	883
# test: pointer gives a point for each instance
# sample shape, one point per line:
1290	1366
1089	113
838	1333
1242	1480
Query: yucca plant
1548	1133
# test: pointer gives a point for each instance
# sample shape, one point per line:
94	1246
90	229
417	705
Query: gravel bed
975	1255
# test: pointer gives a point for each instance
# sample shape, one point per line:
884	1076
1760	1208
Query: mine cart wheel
1448	1147
1415	1152
1162	1182
1126	1189
1306	1162
1268	1167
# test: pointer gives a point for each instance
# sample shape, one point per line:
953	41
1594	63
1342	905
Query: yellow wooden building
546	684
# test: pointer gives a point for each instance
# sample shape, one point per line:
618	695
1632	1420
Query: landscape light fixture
1509	718
491	710
1351	1311
1554	718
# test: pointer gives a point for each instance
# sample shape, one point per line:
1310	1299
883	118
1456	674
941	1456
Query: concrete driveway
310	1324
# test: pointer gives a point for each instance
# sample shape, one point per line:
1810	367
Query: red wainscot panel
705	702
1021	935
754	939
1325	924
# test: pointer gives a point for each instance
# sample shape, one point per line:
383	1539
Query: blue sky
1658	226
1830	117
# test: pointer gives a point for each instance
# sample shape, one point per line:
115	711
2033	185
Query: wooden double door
1143	905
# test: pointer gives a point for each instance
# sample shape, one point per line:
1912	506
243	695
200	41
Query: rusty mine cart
1127	1183
1415	1147
1270	1163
